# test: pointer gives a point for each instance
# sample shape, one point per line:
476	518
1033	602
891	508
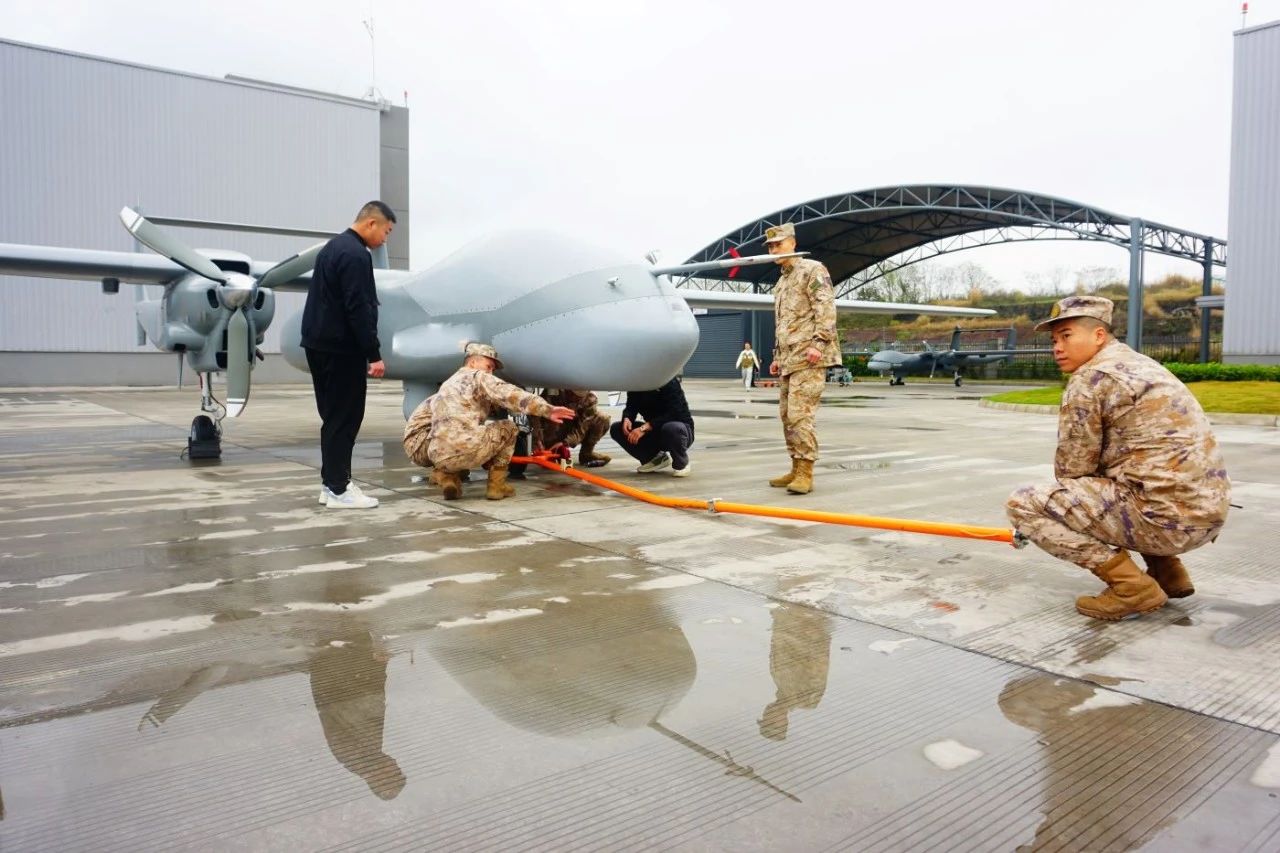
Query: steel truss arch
863	235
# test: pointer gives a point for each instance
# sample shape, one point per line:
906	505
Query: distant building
1251	331
84	136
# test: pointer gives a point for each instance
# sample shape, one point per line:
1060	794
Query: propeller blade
238	363
163	243
291	268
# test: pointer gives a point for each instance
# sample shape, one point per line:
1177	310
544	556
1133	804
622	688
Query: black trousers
340	381
673	437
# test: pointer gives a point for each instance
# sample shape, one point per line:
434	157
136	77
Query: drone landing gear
205	438
897	381
204	442
959	379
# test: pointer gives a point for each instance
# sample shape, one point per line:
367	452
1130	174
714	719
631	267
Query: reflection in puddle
799	660
1099	740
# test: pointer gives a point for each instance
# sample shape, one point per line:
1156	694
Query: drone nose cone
630	345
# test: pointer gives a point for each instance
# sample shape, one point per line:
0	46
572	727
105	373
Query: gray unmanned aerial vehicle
562	313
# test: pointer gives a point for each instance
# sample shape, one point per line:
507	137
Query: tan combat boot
1129	591
802	483
1170	574
498	488
785	479
450	482
588	458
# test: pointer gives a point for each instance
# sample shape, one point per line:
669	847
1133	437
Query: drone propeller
237	294
290	268
161	243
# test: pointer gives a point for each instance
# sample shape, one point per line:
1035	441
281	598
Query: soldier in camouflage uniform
1137	468
588	427
459	437
806	344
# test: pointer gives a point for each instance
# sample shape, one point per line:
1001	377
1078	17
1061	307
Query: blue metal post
1134	333
1206	314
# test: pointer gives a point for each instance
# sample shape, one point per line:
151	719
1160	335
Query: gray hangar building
84	136
1250	331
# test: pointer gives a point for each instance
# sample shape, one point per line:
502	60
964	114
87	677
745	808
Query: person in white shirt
748	362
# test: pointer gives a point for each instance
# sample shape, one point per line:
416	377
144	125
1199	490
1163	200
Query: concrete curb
1214	417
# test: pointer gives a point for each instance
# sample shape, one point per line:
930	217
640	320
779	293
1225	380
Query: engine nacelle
192	318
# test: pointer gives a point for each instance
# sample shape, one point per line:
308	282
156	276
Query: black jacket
342	303
658	407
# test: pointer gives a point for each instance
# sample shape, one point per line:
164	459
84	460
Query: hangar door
720	337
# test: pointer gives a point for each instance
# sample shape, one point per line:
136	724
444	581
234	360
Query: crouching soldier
460	439
588	427
1137	469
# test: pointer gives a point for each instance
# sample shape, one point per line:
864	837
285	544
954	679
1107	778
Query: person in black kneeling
657	429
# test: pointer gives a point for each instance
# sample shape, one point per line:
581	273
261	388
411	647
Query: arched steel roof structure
862	235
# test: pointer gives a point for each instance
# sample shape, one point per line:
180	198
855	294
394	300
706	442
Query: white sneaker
352	498
682	472
324	491
657	463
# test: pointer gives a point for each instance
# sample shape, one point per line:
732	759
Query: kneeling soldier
460	438
588	427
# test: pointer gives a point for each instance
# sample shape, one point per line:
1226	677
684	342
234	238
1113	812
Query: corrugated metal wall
719	342
1250	329
82	137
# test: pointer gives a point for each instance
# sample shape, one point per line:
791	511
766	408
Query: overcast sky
658	124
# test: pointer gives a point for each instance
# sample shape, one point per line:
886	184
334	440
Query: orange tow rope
554	462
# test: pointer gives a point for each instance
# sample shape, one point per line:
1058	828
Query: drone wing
764	302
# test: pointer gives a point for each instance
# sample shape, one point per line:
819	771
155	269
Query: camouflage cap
1097	307
779	232
485	350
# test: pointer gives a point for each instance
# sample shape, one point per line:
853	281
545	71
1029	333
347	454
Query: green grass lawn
1255	398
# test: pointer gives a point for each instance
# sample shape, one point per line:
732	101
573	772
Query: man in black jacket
664	436
340	336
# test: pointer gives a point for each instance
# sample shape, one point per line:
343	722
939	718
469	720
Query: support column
1206	314
1134	331
755	331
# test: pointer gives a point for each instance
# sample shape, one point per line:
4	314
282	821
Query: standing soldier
1137	467
588	427
459	438
804	308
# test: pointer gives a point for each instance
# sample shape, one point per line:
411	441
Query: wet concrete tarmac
201	657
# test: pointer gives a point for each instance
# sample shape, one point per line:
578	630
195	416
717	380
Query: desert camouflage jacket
460	407
1125	417
804	310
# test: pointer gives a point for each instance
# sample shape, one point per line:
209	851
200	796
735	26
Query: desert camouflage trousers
418	447
578	431
1084	520
798	395
489	446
